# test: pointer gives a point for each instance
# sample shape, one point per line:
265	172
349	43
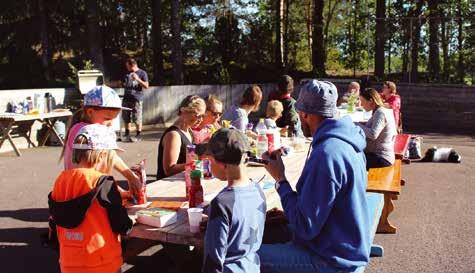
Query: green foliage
224	41
87	65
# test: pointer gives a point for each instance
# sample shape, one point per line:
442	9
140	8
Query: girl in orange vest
86	206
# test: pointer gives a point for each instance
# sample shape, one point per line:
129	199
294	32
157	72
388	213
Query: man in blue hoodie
328	212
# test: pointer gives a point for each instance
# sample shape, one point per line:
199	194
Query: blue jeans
291	258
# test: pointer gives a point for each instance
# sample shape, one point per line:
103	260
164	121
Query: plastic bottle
261	126
262	145
196	190
29	102
189	166
270	140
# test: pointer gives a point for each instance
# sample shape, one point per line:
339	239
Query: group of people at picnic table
326	214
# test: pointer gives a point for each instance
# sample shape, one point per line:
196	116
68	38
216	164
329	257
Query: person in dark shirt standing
135	81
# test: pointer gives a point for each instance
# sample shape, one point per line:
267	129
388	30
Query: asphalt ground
434	214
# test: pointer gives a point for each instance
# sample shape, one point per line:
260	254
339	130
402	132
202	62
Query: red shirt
394	102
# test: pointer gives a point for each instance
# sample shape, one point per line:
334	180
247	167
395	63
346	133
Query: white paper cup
194	218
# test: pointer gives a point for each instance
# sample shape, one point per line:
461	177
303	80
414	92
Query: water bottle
262	143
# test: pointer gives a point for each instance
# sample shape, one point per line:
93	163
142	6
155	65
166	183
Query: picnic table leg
50	125
384	225
27	133
6	135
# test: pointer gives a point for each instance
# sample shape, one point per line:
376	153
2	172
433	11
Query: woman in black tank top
172	147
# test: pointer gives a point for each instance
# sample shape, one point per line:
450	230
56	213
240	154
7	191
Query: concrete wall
437	108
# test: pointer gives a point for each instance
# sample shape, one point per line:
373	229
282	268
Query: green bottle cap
195	174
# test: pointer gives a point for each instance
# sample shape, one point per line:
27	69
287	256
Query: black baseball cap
227	145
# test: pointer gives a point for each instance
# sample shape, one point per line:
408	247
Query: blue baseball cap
317	97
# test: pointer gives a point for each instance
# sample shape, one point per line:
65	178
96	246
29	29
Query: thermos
48	102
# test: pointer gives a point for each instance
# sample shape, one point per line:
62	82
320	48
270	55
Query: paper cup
194	218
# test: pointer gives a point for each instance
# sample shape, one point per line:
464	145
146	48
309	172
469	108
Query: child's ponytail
78	116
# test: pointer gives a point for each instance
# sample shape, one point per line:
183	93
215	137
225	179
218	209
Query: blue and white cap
103	96
99	137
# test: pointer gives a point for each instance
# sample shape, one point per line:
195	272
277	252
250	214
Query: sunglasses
216	114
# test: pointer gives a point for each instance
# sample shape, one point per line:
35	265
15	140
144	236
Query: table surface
356	116
173	189
22	117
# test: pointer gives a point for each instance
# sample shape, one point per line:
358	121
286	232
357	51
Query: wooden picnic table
19	125
357	115
173	189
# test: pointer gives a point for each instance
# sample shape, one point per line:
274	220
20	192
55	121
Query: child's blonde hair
78	116
93	157
274	109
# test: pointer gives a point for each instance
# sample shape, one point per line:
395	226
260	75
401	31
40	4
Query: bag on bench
414	149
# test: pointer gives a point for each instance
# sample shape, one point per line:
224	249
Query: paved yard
434	214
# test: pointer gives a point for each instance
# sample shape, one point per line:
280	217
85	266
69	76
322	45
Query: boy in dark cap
237	214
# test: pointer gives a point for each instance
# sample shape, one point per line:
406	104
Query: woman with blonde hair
380	130
250	102
172	147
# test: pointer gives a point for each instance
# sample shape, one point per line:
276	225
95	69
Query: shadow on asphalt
27	215
21	251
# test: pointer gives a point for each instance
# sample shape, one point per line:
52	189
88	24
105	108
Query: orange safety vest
92	246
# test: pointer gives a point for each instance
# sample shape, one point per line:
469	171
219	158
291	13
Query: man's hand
275	167
204	223
135	76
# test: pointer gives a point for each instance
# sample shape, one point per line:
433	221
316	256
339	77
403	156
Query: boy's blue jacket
328	211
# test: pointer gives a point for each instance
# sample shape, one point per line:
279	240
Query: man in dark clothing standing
135	81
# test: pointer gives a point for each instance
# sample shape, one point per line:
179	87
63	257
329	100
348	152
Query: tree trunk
308	14
177	55
44	40
434	61
94	34
318	47
355	33
460	68
286	33
445	50
380	39
416	42
157	42
279	35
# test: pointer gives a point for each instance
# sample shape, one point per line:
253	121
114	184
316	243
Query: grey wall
442	108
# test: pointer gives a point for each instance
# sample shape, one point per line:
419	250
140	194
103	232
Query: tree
434	55
279	34
177	55
158	75
318	47
415	43
94	35
380	38
42	20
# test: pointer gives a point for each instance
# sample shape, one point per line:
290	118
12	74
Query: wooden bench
375	203
401	144
387	181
